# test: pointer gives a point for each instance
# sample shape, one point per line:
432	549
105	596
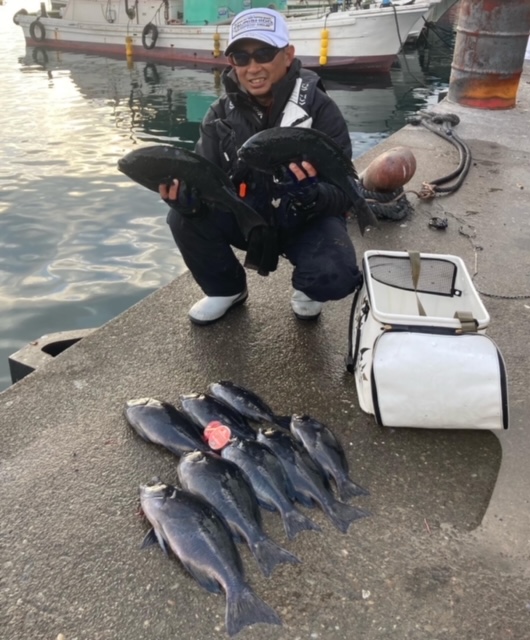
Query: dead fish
296	463
309	486
271	149
246	402
325	449
224	485
198	535
267	477
160	164
161	423
203	409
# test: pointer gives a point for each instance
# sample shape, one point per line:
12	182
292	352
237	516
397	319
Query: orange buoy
389	171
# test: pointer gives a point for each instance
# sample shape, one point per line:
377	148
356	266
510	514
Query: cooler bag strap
415	266
467	322
351	356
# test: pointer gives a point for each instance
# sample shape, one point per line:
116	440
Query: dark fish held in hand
224	485
161	423
199	536
160	164
246	402
267	477
270	149
309	486
325	449
203	409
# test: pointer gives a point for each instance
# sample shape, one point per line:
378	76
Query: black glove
187	202
303	193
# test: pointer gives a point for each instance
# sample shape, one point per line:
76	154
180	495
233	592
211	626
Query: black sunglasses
261	56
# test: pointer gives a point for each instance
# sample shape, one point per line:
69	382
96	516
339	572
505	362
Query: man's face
257	78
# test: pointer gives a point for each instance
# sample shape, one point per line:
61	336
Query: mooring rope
442	125
387	205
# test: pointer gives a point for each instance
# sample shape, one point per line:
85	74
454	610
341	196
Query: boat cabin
186	12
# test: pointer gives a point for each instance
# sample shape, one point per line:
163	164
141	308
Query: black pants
325	266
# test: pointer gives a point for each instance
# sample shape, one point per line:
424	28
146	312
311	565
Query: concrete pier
446	554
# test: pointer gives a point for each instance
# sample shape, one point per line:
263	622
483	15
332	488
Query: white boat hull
436	10
361	40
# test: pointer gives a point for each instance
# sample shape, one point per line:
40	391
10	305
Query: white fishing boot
305	308
209	309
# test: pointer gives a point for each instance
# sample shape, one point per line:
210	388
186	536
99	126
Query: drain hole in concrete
55	348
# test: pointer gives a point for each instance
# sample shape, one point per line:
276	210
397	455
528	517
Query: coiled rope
387	206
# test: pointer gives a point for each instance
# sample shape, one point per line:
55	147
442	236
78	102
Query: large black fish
267	477
271	149
160	164
325	449
246	402
161	423
309	486
203	409
225	486
199	536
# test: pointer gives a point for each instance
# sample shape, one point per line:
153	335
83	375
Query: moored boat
197	33
437	8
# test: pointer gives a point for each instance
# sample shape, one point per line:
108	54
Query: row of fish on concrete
227	470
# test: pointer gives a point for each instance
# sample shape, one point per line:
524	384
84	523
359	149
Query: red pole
489	53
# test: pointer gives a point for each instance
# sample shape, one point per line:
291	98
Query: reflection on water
81	242
151	102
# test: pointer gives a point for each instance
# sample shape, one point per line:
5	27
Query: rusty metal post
489	53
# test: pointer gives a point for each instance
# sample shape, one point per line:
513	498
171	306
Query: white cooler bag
418	349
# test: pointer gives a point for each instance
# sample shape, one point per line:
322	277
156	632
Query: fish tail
244	607
349	489
268	554
245	215
342	515
365	216
294	522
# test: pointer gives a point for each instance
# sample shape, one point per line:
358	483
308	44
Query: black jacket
235	116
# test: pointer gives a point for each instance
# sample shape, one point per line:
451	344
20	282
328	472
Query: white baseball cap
265	25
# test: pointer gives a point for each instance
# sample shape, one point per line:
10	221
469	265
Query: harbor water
80	243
